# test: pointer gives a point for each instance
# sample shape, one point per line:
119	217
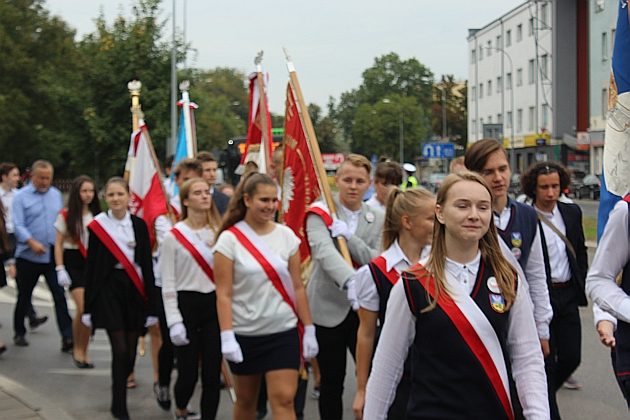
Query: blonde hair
488	245
212	214
357	160
410	202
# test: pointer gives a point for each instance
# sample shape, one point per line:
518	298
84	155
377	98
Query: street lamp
512	151
401	132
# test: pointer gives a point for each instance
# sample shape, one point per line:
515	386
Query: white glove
86	319
63	278
177	332
151	321
340	228
310	348
230	348
351	294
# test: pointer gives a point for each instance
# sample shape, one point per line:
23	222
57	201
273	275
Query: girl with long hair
407	234
188	291
474	346
71	253
261	301
119	285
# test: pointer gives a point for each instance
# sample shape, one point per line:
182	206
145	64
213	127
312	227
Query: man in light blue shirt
35	208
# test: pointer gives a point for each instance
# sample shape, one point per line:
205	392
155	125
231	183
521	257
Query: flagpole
183	87
311	138
136	113
265	140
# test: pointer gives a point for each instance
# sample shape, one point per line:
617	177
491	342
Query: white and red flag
300	186
148	200
258	144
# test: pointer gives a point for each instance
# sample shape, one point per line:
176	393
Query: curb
33	401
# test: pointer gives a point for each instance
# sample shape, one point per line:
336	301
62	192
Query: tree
111	56
40	98
456	110
365	122
325	129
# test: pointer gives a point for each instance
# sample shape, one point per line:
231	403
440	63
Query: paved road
589	207
44	370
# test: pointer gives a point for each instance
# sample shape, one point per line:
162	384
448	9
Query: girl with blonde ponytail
407	234
465	320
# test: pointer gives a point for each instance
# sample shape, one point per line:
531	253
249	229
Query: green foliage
456	110
369	116
325	129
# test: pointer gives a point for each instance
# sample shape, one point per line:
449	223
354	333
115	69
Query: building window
498	45
508	123
612	38
508	81
499	84
530	27
481	126
473	128
545	116
531	70
480	53
489	90
500	118
474	93
544	66
480	90
600	6
530	125
489	47
473	57
489	119
604	102
519	120
519	32
508	38
604	46
544	16
519	77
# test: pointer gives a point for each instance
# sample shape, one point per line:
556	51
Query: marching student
332	289
186	169
189	298
71	253
387	176
119	282
566	264
611	303
517	225
407	234
210	172
468	319
261	300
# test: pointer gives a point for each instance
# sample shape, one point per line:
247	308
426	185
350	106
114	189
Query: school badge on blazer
517	239
497	303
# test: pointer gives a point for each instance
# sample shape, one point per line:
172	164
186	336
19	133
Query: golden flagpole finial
134	87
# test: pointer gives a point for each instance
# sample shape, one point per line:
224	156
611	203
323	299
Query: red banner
255	135
300	186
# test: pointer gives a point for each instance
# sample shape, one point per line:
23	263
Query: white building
517	91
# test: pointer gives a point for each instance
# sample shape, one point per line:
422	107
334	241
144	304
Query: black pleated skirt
119	305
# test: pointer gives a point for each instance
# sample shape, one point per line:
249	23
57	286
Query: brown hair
116	180
488	245
188	165
477	155
236	208
388	173
6	167
357	160
74	219
529	180
204	156
410	202
212	215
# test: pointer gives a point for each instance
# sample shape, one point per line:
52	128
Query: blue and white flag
186	137
616	176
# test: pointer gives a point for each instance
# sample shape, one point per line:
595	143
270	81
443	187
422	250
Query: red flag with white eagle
148	200
300	186
258	144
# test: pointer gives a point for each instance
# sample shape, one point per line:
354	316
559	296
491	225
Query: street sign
438	150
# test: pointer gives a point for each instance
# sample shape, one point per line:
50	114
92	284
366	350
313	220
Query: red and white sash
392	275
81	241
200	252
477	332
106	230
320	209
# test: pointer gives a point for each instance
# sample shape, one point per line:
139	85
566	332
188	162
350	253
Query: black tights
124	344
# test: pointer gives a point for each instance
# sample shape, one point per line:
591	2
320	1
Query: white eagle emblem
288	184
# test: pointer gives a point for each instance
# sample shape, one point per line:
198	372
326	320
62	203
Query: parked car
515	185
589	187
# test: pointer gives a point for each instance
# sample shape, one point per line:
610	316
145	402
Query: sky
331	42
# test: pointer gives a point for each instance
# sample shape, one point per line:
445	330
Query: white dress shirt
124	234
556	248
374	203
352	218
536	277
399	331
613	252
7	202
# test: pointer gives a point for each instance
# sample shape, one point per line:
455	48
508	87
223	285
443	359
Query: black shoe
3	348
83	365
191	415
162	397
66	345
36	322
20	341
